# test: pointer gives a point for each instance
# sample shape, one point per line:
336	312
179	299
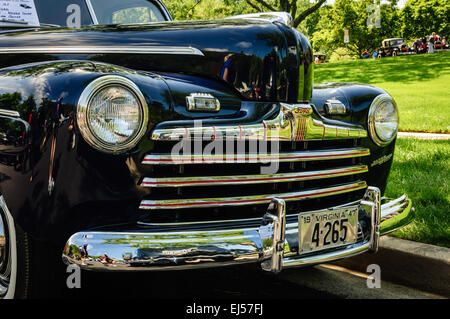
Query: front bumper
267	244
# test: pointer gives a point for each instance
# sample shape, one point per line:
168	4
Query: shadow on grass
406	69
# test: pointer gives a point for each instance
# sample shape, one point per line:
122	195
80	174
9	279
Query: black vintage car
393	47
131	142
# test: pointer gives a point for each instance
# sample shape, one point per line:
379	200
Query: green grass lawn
421	169
419	83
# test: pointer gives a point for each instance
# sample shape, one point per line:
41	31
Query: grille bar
302	156
294	122
252	179
250	200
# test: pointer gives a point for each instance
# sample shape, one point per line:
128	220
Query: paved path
424	136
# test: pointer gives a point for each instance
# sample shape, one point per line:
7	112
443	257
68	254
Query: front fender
47	170
358	99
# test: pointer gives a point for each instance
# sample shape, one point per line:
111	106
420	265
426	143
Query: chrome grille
199	188
320	166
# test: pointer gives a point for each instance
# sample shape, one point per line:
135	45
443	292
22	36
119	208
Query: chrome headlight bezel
377	102
86	97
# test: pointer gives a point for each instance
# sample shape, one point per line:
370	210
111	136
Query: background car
393	47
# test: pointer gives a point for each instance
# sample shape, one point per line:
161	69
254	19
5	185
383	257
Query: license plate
327	229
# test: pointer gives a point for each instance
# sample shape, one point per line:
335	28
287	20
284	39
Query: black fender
47	171
358	98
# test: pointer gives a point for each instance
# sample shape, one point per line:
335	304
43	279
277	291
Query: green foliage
423	17
207	9
353	15
341	54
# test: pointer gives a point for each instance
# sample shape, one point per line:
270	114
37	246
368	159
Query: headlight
383	120
112	114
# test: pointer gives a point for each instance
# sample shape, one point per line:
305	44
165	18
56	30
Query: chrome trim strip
9	113
252	179
302	156
281	17
92	12
295	261
294	122
103	50
249	200
246	220
396	214
392	203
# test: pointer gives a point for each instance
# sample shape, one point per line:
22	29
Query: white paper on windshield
22	11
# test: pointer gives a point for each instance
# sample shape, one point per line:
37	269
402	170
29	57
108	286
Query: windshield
396	42
77	13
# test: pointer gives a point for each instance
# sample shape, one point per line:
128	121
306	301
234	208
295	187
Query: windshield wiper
24	23
50	25
13	21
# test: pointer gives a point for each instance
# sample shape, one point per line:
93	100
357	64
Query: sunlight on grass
421	169
419	83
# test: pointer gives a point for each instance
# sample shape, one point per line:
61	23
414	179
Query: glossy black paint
93	189
358	98
263	56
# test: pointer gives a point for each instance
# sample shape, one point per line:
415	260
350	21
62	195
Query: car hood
259	59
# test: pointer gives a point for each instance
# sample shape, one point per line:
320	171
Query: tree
207	9
299	9
216	9
423	17
353	15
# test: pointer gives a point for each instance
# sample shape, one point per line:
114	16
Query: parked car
320	58
123	161
393	47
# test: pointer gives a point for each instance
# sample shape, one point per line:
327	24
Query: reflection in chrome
252	179
392	214
250	200
371	202
282	17
189	249
335	107
300	156
9	113
8	252
103	50
273	235
295	122
202	102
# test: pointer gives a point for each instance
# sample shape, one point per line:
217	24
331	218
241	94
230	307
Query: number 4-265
338	231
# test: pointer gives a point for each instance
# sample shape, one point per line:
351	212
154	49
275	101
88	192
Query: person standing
431	44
